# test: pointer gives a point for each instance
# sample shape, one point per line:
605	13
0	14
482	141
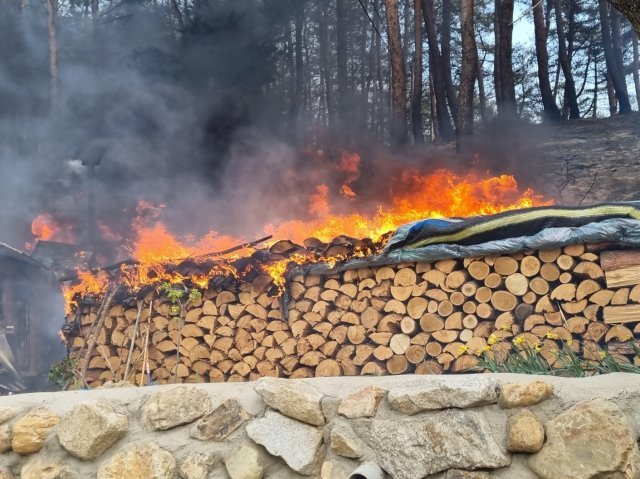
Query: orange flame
414	196
45	227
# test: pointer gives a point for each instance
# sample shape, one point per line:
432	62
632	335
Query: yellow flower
569	342
518	340
486	348
551	335
537	347
493	339
602	354
627	338
462	349
505	327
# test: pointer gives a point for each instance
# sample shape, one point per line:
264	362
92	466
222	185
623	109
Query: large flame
45	227
414	196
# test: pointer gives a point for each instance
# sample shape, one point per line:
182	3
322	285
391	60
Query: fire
45	227
439	194
332	211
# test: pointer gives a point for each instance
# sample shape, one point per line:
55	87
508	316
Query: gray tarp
622	231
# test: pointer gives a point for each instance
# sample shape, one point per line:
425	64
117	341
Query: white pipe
368	470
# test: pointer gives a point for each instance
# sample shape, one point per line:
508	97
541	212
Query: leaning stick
100	323
145	353
133	340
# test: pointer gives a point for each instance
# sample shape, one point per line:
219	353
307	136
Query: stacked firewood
409	318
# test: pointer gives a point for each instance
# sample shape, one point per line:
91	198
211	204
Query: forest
165	88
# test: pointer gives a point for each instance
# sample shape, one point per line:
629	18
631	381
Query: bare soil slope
589	161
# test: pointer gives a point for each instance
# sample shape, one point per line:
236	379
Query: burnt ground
589	161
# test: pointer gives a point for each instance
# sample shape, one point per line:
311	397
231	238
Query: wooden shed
31	314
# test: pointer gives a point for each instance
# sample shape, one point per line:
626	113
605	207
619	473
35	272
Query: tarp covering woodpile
503	233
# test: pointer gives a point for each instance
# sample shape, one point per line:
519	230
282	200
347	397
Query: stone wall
403	427
426	318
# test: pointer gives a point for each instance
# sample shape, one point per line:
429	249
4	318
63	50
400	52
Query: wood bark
506	100
416	92
443	124
631	10
613	69
325	61
551	110
635	67
469	68
447	19
565	62
398	76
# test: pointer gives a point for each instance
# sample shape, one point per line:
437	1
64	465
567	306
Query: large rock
5	438
412	448
363	403
295	399
297	443
170	408
31	430
245	462
197	465
6	474
7	413
461	474
590	440
40	468
221	422
91	428
525	432
344	443
526	393
452	392
145	461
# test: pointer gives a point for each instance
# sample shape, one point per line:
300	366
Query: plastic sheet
621	231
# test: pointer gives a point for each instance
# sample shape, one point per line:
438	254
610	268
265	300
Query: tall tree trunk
398	76
497	5
299	91
636	69
613	70
616	42
364	66
341	53
469	69
416	93
95	11
51	7
596	83
482	97
565	62
175	9
611	95
379	80
507	103
406	40
444	128
325	61
551	110
433	112
447	15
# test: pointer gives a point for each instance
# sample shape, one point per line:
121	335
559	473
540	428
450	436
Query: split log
431	322
621	314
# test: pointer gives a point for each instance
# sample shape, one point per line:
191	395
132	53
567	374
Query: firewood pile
418	318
